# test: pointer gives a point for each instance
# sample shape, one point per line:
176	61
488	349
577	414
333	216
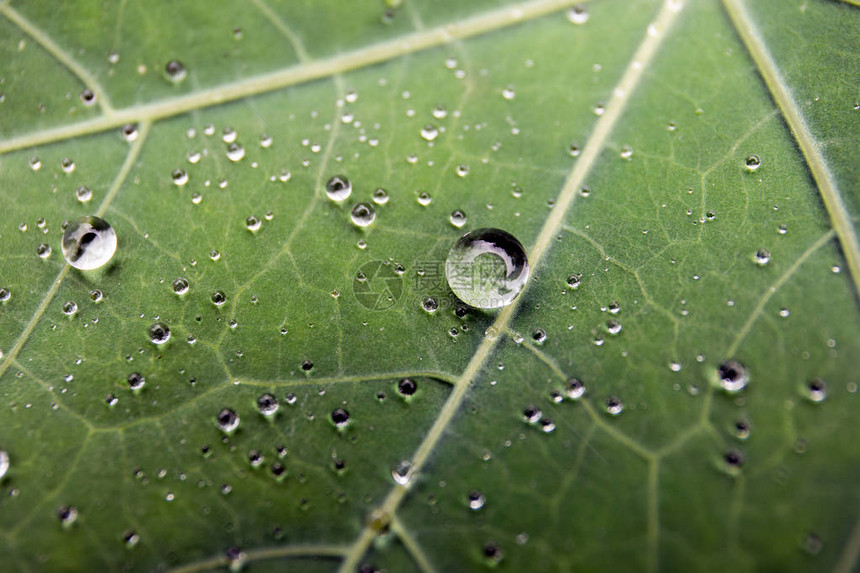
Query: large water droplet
487	268
407	387
267	404
89	243
340	417
363	214
338	188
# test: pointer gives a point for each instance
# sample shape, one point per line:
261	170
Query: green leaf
615	140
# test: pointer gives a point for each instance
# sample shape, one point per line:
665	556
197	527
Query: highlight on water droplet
487	268
89	243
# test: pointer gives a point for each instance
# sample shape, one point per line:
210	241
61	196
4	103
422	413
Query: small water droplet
5	294
338	188
83	194
363	214
430	304
539	335
458	218
67	515
136	382
253	223
487	268
176	72
67	165
402	474
532	414
742	429
407	387
577	15
733	376
614	406
265	140
509	93
380	196
227	420
340	417
235	152
430	132
613	326
130	538
476	500
575	389
88	243
492	554
180	177
816	390
424	199
761	257
440	112
267	404
70	308
752	162
4	463
462	170
88	97
180	285
129	132
43	250
35	163
159	333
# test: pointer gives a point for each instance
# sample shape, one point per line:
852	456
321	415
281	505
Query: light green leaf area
615	141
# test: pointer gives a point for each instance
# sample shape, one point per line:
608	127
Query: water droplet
509	93
83	194
159	333
265	140
613	326
599	109
338	188
235	152
575	389
129	132
430	304
733	460
4	463
130	538
614	406
430	132
440	112
532	414
402	474
5	294
539	335
176	72
547	425
573	281
67	165
70	308
43	250
493	554
214	254
816	390
424	199
733	376
227	420
180	177
458	218
407	387
626	152
761	257
476	500
136	382
812	544
462	170
290	398
487	268
180	285
742	429
784	312
218	298
67	515
89	243
267	404
340	417
380	196
577	15
255	458
752	163
35	163
88	97
253	223
363	214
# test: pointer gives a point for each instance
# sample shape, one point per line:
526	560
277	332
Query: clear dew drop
476	500
440	111
35	163
430	132
487	268
130	132
539	336
761	257
752	163
218	298
253	223
227	420
340	417
816	390
70	308
5	294
4	463
180	177
338	188
159	333
67	165
363	214
89	243
812	544
613	326
267	404
532	414
509	93
402	473
573	281
43	250
136	382
380	196
575	389
180	285
83	194
577	15
407	387
265	140
493	554
430	304
614	406
462	170
733	376
235	152
130	538
424	199
67	515
88	97
741	429
458	218
175	71
733	461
